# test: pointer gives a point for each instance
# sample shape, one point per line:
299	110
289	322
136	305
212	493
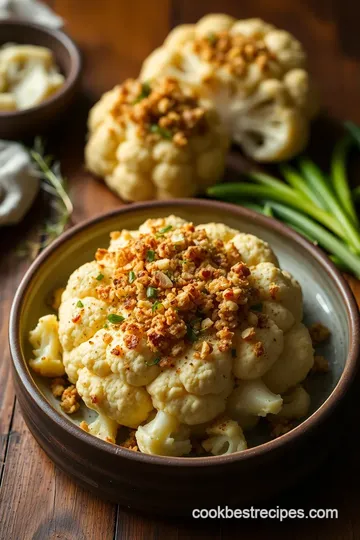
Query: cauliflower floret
164	436
169	395
279	286
226	437
134	366
103	427
84	281
209	375
92	353
282	317
218	231
253	250
79	320
257	349
296	403
161	223
127	405
144	159
252	398
47	349
253	72
295	362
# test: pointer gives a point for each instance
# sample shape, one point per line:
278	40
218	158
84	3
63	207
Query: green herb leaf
145	92
164	230
132	276
233	353
257	307
100	277
211	37
156	305
191	333
163	132
106	325
115	319
154	362
151	292
150	256
79	304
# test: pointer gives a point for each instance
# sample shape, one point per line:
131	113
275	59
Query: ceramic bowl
36	120
175	485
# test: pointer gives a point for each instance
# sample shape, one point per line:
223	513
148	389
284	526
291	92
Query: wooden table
37	500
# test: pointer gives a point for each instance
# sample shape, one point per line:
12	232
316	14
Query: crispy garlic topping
233	52
163	111
174	286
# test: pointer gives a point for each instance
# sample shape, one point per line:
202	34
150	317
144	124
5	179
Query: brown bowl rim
71	79
292	436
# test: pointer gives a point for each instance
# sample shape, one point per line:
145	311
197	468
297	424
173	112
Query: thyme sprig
53	183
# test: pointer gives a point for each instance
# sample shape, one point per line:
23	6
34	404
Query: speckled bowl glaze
176	485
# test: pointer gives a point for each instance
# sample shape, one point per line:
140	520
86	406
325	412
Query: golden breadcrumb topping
234	52
160	111
130	443
70	400
58	386
321	365
280	426
318	333
175	286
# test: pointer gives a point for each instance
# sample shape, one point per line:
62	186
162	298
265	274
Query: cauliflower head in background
155	141
174	326
255	74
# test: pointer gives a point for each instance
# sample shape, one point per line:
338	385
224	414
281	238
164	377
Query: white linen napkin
18	184
32	10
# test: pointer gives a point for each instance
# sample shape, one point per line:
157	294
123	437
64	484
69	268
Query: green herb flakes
132	276
145	92
151	292
100	277
115	319
154	362
150	256
79	304
163	132
156	305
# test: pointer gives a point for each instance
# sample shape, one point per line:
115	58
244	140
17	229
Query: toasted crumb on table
319	333
70	400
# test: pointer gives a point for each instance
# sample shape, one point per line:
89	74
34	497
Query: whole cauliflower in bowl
255	74
155	141
171	328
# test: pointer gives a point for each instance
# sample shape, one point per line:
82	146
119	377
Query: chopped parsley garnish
191	333
151	292
80	304
132	276
163	132
106	325
115	319
156	306
211	37
154	362
150	256
233	353
256	307
164	230
100	277
145	92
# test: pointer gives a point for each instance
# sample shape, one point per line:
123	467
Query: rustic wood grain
39	502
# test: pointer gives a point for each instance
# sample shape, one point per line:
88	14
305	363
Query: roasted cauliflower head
255	74
155	141
171	328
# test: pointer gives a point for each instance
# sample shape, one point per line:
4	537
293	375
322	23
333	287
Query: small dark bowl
175	485
36	120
